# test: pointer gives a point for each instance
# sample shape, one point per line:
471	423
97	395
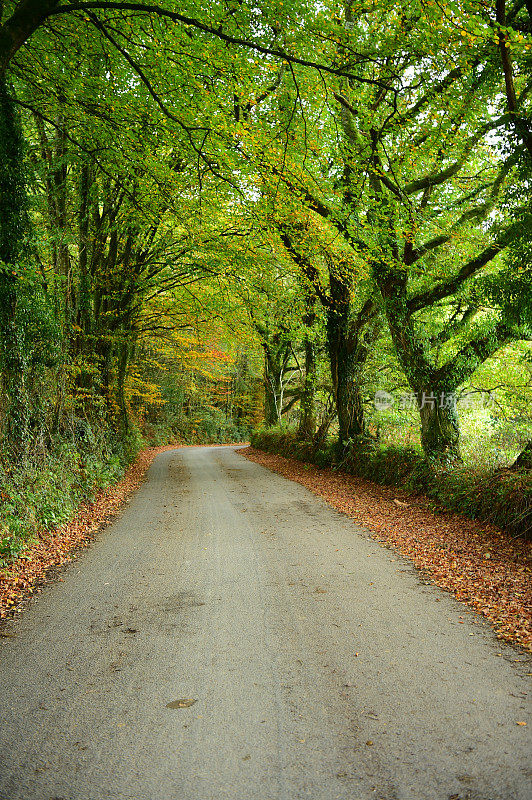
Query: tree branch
449	287
453	169
474	353
27	17
149	8
521	125
432	244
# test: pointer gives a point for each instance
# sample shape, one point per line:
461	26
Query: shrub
502	497
210	426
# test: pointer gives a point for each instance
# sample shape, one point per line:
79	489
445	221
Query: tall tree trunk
13	225
123	357
276	356
440	428
307	424
346	364
323	428
272	390
61	222
519	120
83	317
435	393
346	358
345	332
270	407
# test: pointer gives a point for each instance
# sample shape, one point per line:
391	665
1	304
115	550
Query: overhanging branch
451	286
175	16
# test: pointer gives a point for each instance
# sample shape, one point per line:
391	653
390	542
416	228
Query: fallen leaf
183	703
53	548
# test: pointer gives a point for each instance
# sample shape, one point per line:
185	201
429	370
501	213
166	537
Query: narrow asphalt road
321	665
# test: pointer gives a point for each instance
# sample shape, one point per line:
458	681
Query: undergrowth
206	430
44	488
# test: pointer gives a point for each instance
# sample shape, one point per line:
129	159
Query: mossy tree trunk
307	401
435	392
434	384
123	359
346	360
349	337
13	227
349	334
307	424
440	428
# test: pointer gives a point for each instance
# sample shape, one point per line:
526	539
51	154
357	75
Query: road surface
320	664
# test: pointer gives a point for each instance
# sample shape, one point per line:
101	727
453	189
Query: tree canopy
233	211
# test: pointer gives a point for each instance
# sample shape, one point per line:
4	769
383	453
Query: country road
321	664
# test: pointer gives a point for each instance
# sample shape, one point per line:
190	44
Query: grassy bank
44	488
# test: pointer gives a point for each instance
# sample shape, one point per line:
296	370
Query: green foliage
126	446
405	467
284	441
211	427
193	237
45	491
503	497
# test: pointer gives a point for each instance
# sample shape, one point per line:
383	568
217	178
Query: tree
400	223
349	331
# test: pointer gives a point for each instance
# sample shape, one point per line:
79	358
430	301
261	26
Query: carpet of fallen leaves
480	564
53	548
